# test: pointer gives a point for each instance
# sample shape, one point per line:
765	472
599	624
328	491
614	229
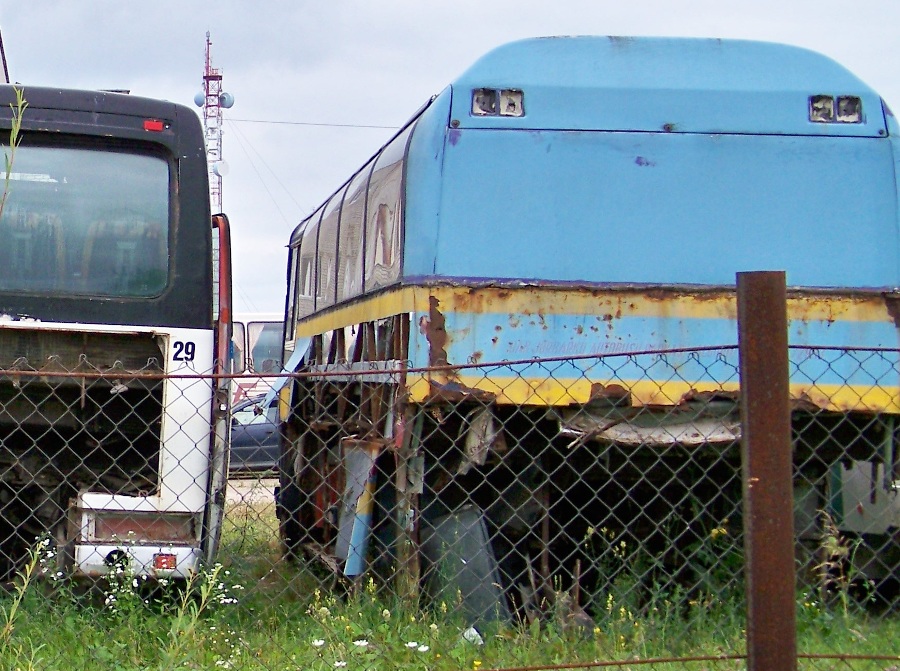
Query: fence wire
553	513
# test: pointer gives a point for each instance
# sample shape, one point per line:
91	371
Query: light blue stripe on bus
471	339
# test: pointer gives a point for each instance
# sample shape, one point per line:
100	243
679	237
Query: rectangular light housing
835	109
498	102
154	125
144	528
821	109
165	562
484	102
849	109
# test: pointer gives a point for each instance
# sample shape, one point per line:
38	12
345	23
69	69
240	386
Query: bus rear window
83	221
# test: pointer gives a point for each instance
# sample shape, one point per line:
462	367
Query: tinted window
353	211
306	268
79	221
328	238
384	215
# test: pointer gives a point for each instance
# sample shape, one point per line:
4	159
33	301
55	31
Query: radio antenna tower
213	100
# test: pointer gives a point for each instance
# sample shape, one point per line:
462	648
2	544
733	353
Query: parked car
254	438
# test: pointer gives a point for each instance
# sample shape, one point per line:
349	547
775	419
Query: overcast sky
364	63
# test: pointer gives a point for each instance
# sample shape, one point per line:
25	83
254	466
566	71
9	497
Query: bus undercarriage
512	507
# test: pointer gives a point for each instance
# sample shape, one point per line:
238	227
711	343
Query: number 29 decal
184	350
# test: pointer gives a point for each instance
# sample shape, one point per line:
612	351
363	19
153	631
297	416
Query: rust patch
476	356
611	391
709	396
892	303
436	333
454	392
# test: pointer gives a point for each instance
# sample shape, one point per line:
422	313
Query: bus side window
238	338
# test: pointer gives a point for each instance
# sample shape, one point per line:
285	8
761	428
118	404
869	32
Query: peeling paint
892	303
436	334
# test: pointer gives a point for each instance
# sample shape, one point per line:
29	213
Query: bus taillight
154	125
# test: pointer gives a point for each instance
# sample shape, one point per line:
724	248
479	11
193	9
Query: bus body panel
669	209
515	324
670	85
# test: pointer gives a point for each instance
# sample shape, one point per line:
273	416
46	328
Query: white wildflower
422	648
412	644
318	643
361	643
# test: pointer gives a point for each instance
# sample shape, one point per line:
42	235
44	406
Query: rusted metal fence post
766	458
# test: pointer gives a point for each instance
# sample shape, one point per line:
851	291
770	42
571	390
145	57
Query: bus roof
94	112
664	84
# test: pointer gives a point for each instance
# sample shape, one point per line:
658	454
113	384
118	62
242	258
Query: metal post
766	458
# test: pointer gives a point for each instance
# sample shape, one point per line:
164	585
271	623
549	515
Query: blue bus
464	302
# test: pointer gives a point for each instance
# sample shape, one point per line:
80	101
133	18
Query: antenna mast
213	100
3	59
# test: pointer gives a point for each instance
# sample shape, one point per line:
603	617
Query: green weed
258	613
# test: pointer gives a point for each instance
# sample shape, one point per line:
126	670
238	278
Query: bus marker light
154	125
484	102
498	102
849	109
164	562
821	109
512	103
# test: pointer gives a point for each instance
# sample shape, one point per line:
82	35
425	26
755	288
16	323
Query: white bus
257	341
114	432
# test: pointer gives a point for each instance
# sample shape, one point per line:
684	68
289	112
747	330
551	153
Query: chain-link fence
583	510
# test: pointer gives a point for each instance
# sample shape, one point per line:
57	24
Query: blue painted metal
747	190
668	209
474	337
646	84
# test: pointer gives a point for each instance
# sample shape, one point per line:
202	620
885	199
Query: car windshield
252	413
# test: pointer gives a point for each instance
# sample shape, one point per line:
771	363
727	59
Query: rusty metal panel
466	326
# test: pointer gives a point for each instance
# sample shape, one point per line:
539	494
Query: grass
257	612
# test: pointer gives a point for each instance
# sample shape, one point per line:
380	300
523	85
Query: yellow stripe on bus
563	391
